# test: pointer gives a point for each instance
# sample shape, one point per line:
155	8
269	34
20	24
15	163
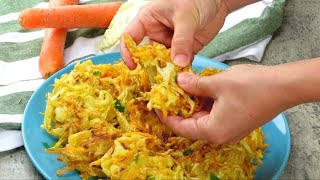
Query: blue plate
276	131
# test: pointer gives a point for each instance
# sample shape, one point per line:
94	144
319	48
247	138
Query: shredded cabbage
102	116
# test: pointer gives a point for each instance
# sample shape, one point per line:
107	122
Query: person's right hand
243	98
184	25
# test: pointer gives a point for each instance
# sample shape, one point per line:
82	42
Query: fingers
126	55
197	85
136	31
182	42
192	128
163	37
206	103
199	114
201	127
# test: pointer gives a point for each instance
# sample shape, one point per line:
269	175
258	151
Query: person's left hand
185	26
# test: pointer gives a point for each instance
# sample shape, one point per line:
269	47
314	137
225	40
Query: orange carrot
51	55
73	16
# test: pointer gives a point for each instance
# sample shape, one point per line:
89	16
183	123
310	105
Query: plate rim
286	158
116	53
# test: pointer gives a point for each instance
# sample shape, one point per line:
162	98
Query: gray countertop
298	38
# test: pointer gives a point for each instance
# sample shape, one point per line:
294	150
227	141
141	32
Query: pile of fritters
103	117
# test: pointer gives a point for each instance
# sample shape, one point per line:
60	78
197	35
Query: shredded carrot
51	55
72	16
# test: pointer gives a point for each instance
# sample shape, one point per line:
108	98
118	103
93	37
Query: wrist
271	88
298	82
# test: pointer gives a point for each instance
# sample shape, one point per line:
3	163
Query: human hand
245	97
184	25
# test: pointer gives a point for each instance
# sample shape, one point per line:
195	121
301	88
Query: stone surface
16	164
298	38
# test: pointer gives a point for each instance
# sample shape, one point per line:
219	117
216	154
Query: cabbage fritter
102	116
165	93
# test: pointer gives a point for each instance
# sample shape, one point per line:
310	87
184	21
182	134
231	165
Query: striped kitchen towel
246	33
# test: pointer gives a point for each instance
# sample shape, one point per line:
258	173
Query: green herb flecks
213	177
136	158
47	145
151	178
96	73
118	106
187	152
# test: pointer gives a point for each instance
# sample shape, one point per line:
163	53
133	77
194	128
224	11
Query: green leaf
105	144
136	158
151	177
52	144
118	106
96	73
187	152
46	145
213	177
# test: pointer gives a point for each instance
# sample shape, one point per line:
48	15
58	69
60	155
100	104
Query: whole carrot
51	55
73	16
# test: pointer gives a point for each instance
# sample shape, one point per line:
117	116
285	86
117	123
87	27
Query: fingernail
181	60
184	78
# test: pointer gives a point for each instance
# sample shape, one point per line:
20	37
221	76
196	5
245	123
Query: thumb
195	127
197	85
182	42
